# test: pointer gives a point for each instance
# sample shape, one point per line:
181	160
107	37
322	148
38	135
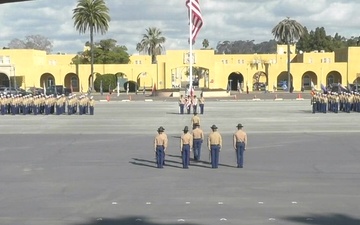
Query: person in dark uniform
198	137
186	142
240	142
160	145
214	146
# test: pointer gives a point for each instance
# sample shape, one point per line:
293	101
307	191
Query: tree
105	52
37	42
106	81
205	43
16	44
152	43
288	32
92	15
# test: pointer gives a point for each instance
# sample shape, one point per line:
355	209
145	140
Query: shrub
108	81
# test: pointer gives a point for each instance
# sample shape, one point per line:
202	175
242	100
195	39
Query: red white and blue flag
196	17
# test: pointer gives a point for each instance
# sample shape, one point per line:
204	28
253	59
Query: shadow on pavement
196	163
318	219
145	162
129	221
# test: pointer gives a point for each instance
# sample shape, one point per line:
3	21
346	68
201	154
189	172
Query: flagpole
190	46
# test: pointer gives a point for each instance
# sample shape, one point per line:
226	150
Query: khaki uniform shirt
186	139
197	133
161	139
239	136
195	119
181	101
201	100
214	139
91	102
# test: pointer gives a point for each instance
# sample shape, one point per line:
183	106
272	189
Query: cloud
223	20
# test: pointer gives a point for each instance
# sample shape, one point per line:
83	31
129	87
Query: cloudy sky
223	20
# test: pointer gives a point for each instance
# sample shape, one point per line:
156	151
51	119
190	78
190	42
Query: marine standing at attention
214	146
160	145
198	138
240	142
186	142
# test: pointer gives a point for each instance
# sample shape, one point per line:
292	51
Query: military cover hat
239	125
161	129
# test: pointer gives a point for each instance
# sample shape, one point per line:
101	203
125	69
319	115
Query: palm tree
205	43
288	32
92	15
152	43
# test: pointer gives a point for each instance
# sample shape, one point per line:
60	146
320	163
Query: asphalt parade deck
300	168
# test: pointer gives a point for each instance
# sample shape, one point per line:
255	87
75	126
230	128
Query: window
5	60
241	61
325	60
52	62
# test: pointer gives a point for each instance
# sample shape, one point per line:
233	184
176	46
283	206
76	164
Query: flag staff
190	46
195	23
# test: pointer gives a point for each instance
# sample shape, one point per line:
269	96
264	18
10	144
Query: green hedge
108	81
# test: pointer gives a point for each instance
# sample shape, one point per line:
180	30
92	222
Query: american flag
192	91
196	18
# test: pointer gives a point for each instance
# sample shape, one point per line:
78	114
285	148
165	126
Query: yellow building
33	68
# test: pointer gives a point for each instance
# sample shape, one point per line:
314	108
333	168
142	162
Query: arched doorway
132	85
282	81
259	81
334	77
235	81
47	80
144	80
71	81
122	79
4	80
309	80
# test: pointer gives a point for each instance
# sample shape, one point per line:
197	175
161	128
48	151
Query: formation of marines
191	103
336	102
46	104
192	141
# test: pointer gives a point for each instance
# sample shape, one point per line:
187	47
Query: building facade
32	68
